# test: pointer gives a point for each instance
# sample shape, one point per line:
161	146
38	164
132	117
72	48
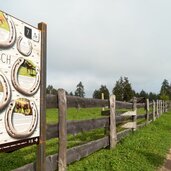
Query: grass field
82	114
144	150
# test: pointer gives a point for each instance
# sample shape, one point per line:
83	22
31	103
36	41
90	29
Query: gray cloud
97	41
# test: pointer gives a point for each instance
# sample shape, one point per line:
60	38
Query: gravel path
167	163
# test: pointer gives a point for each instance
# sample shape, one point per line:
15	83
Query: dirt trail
167	163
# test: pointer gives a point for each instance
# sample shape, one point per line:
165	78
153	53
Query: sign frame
41	139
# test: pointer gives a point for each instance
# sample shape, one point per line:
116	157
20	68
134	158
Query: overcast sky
97	41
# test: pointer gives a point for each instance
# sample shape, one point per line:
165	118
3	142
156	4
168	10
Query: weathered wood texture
113	136
73	101
122	134
62	158
51	101
76	153
134	117
41	147
147	108
74	127
154	110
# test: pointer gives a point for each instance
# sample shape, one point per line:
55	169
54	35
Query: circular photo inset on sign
24	46
21	118
25	76
5	93
7	31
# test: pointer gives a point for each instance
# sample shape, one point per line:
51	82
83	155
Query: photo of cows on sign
22	106
27	74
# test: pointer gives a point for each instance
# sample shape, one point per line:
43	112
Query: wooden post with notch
62	105
41	147
154	110
147	110
113	135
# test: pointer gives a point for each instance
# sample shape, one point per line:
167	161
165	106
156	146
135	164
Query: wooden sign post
41	150
23	86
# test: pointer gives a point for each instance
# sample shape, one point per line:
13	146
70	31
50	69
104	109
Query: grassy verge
144	150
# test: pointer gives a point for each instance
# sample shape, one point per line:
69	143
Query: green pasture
143	150
82	114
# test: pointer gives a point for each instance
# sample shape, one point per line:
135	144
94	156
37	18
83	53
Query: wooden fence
129	121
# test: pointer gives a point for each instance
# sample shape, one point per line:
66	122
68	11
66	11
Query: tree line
122	89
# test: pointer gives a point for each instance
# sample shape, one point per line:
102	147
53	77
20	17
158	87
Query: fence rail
75	127
74	101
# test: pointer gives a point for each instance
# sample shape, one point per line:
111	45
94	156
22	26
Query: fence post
147	110
157	108
134	108
102	96
113	135
41	147
62	105
165	106
154	110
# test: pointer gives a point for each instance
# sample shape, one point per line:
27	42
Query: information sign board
20	61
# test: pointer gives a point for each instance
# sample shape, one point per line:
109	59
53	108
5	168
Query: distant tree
80	90
123	89
165	93
98	93
118	90
143	94
152	96
71	94
128	92
51	90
